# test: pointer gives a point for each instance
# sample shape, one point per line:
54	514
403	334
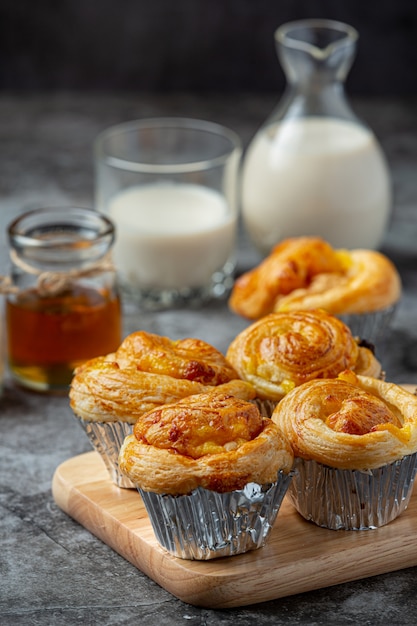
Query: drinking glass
170	186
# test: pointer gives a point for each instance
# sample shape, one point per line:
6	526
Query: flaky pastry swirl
188	359
351	422
307	273
147	371
211	440
284	350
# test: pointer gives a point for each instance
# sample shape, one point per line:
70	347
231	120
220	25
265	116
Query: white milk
316	176
171	236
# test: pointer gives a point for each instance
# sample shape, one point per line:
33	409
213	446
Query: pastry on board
211	440
283	350
210	457
354	440
361	286
108	393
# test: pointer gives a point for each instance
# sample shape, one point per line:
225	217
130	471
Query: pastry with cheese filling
354	440
283	350
108	393
212	472
362	287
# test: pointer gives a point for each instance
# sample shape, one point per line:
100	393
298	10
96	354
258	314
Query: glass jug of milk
314	168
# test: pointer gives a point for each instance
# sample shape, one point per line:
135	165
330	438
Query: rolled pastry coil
148	371
283	350
304	273
355	443
214	441
212	473
351	422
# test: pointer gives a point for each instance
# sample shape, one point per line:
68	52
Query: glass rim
19	229
282	33
159	123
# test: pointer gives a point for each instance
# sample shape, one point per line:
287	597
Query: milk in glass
171	236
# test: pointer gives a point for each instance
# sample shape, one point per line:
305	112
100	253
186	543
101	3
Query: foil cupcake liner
207	525
266	407
351	499
369	326
107	438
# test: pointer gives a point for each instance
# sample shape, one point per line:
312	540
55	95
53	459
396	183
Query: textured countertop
53	571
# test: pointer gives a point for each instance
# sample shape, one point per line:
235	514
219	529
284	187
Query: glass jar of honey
63	306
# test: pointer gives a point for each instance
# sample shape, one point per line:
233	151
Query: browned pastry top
147	371
349	422
307	273
188	359
283	350
209	440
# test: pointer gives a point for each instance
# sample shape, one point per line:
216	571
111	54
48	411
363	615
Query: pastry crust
215	441
307	273
351	422
284	350
148	371
187	359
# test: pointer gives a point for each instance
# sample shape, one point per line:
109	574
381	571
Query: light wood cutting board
299	556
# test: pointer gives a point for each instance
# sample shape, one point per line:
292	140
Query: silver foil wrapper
369	326
266	407
107	438
207	525
351	499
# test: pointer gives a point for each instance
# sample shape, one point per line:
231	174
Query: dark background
192	45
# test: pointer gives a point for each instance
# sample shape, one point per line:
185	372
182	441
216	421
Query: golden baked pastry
307	273
284	350
147	371
211	440
350	422
188	359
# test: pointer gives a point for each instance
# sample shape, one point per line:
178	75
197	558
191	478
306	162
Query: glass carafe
314	168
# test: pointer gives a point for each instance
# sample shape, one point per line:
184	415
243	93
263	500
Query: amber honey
49	336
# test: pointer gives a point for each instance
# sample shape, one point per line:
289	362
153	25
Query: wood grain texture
298	556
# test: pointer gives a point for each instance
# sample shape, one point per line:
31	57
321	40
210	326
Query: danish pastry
307	273
212	473
283	350
212	440
109	393
188	359
148	371
355	444
349	422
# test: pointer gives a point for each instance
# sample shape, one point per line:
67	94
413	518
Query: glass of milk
313	168
170	186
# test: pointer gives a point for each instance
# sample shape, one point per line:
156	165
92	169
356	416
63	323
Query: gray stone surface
53	571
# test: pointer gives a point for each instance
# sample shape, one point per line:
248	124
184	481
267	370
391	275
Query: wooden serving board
299	556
